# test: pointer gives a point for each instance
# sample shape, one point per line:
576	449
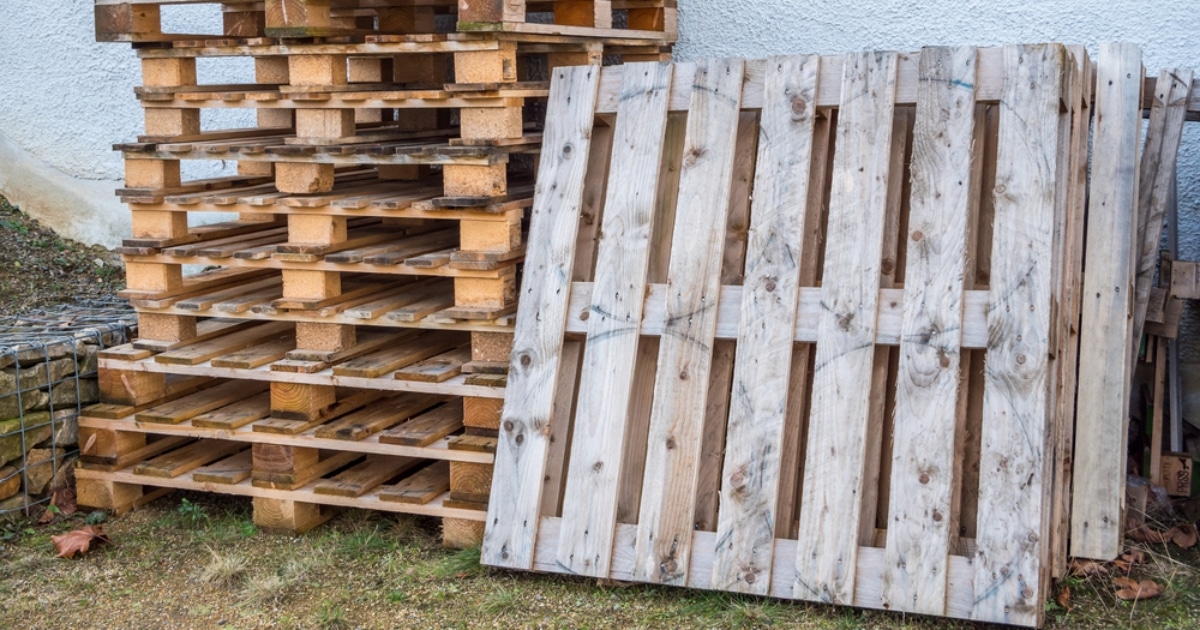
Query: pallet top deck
765	304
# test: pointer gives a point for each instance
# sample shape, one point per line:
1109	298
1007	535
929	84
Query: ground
197	561
38	268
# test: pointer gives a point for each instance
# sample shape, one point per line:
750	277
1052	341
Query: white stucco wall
66	99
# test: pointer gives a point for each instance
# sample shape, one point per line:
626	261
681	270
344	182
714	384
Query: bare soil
38	268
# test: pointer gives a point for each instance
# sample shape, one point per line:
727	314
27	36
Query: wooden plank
388	413
1156	173
365	476
1106	349
233	469
762	363
188	458
438	368
237	415
831	507
1156	416
381	362
293	423
1013	518
191	406
428	427
421	487
532	383
194	354
615	316
666	516
944	197
258	355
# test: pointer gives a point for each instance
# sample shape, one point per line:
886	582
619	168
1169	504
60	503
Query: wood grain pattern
615	317
944	196
762	364
668	499
532	381
1106	349
1156	172
1014	461
831	508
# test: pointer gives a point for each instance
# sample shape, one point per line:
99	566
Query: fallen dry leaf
1064	598
1087	568
61	502
1129	589
78	541
1184	535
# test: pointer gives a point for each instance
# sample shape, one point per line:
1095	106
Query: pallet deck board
884	286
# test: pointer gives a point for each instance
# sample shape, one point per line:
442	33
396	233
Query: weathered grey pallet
827	322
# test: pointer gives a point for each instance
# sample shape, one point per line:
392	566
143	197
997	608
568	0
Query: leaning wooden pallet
375	196
846	283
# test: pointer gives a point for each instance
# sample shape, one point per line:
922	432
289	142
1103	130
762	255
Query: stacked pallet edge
348	339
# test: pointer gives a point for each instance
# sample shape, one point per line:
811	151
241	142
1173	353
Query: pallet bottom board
370	445
369	501
868	591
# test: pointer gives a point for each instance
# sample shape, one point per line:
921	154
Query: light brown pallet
139	21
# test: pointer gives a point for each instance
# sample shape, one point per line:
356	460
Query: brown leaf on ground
1064	598
1087	568
78	541
1184	535
1129	589
61	502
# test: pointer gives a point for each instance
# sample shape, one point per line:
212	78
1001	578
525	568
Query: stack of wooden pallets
820	339
352	331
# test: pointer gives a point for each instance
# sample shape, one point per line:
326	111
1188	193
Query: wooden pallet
838	293
397	452
139	21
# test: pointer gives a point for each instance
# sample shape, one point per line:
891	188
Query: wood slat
927	417
831	505
1106	348
421	487
615	315
666	517
522	448
1013	517
762	365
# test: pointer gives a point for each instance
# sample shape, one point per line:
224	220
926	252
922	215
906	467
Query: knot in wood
567	149
598	466
526	360
683	375
1020	359
509	425
670	444
924	478
520	439
937	516
917	235
769	285
749	577
584	315
799	107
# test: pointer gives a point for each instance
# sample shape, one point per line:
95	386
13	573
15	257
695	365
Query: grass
175	568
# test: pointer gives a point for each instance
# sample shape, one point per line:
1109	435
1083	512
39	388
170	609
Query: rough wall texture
67	98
